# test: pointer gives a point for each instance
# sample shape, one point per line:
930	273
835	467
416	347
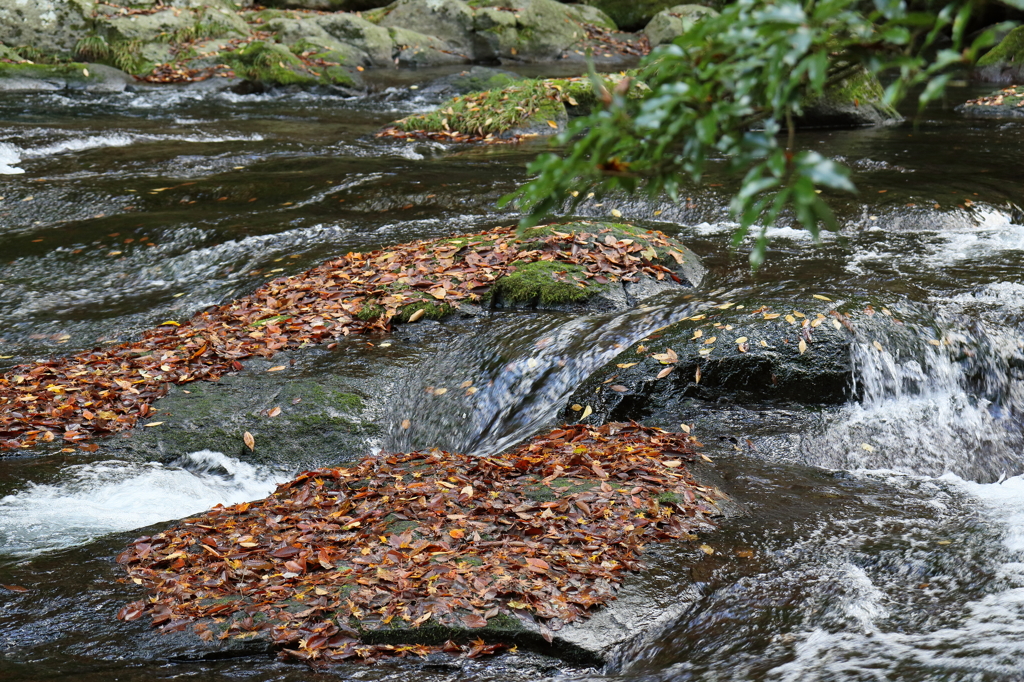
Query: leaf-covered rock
1004	63
674	21
411	550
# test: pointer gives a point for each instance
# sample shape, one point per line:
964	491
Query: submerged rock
419	553
26	77
1005	103
734	355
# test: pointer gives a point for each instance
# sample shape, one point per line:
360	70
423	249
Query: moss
503	621
73	71
472	561
397	525
270	320
375	16
370	312
269	63
669	498
1010	50
432	310
546	282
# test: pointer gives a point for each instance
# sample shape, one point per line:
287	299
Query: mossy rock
631	15
533	106
1005	103
544	284
25	77
270	63
1004	63
855	102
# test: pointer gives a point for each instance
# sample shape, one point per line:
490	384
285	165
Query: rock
668	24
374	41
1004	63
855	102
475	79
772	368
328	5
414	49
321	416
74	76
151	27
538	30
50	26
585	14
449	20
1005	103
631	15
266	63
559	286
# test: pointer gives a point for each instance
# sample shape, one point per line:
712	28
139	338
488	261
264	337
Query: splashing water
519	381
89	500
937	397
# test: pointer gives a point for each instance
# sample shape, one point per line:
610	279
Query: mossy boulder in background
670	23
1004	63
50	26
631	15
535	30
328	5
856	101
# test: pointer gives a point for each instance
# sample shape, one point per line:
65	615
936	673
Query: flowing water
885	539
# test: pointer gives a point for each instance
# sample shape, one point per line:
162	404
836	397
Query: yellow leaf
790	319
802	346
277	369
440	391
821	298
154	423
587	412
274	412
697	334
577	408
742	339
417	315
170	322
665	372
553	125
707	549
866	447
625	365
673	463
439	293
684	428
764	344
877	346
836	324
406	424
617	213
696	376
249	441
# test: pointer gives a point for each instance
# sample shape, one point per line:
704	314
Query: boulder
561	286
451	21
855	102
474	79
374	41
585	14
75	76
306	35
1005	103
151	27
631	15
734	355
536	30
328	5
1004	63
414	49
668	24
50	26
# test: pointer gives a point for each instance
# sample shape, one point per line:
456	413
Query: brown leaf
274	412
249	441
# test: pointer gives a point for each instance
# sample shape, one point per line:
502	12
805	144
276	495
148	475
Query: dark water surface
903	560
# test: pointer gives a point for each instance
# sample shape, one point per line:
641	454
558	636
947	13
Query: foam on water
90	500
8	158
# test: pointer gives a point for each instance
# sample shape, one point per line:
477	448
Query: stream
887	533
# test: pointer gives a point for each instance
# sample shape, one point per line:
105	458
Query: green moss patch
1010	50
545	282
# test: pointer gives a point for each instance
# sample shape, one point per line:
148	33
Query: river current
888	533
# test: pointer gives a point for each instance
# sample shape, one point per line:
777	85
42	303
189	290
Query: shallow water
900	560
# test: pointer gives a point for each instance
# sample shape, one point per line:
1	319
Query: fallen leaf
707	549
802	346
586	412
14	588
249	441
665	372
278	368
417	315
274	412
821	298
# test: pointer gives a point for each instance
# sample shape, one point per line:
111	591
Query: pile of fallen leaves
107	390
538	537
637	48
